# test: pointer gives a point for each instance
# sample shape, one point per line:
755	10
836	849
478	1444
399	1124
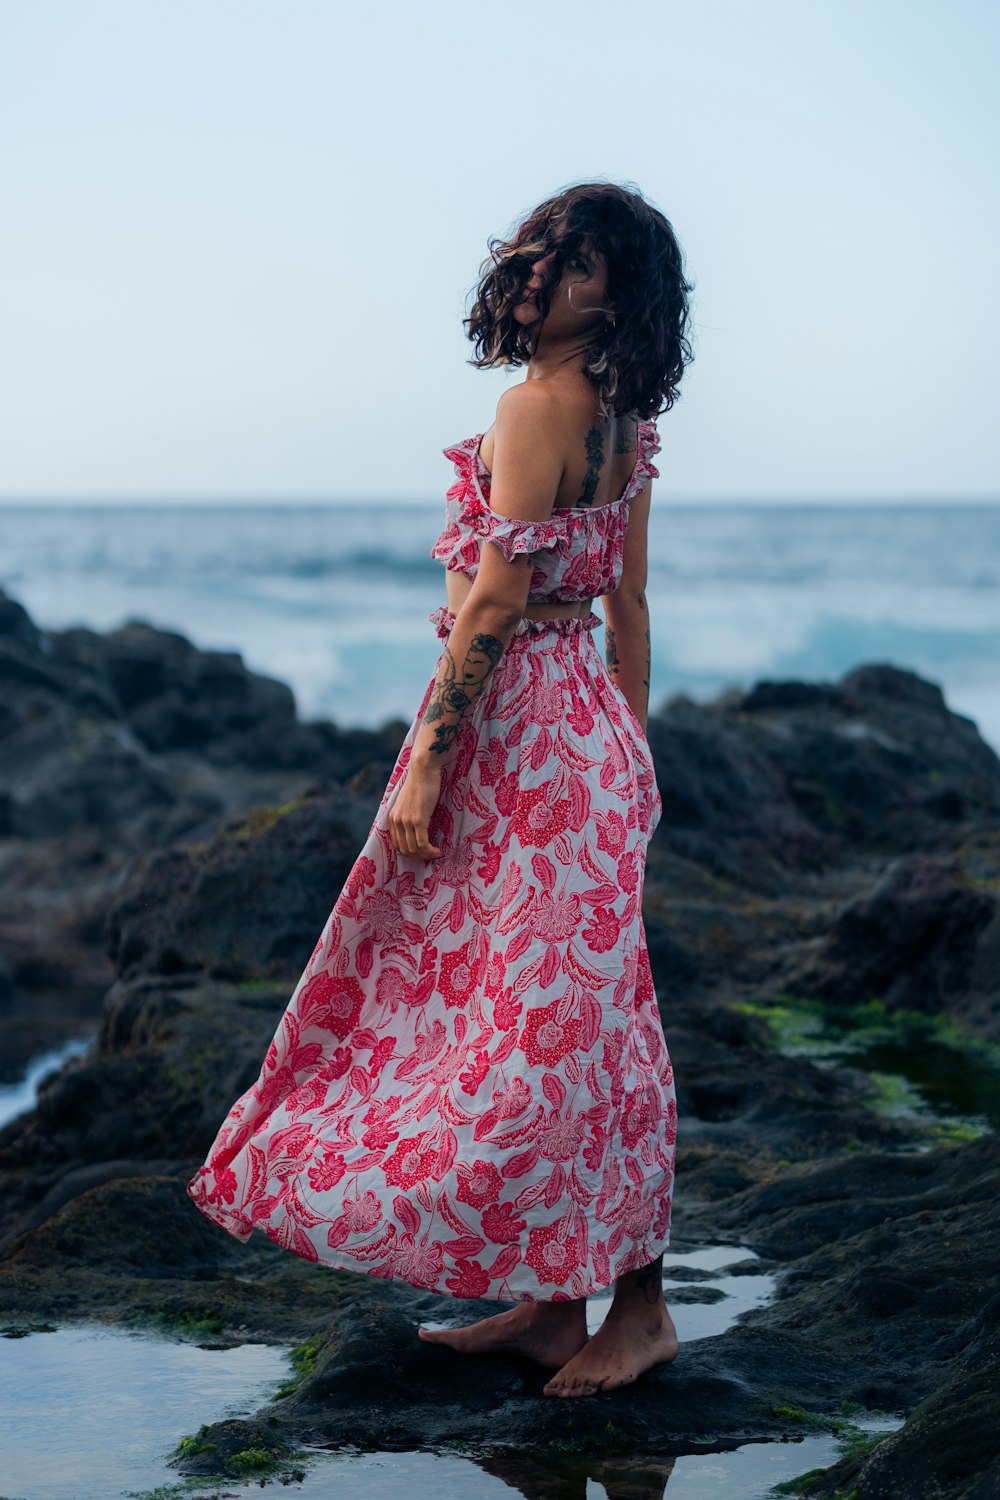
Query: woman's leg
637	1333
548	1332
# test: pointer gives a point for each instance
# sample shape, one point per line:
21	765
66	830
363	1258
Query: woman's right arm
526	473
626	614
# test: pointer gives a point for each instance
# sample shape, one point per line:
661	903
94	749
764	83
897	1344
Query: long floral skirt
469	1089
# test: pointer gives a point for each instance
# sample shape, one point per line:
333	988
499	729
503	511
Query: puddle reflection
91	1410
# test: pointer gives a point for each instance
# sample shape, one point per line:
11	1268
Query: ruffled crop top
578	552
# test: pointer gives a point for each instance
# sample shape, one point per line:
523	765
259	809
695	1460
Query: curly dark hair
636	364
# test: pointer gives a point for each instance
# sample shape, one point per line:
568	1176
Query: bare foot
625	1345
550	1333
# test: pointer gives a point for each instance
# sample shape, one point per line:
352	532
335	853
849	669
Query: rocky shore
172	838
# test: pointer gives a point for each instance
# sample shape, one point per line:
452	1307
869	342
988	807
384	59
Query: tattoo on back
456	691
595	458
625	434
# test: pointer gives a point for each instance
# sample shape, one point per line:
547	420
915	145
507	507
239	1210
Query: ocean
334	599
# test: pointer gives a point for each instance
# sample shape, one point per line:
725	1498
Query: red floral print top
578	552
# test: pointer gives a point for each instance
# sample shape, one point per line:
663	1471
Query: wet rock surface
844	838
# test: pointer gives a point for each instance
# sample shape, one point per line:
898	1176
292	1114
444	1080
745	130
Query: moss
458	1444
956	1132
894	1094
303	1359
256	821
803	1018
925	1068
811	1419
792	1023
249	825
589	1441
251	1461
199	1322
856	1442
852	1441
849	1434
245	1464
832	805
194	1443
190	1078
800	1485
161	1492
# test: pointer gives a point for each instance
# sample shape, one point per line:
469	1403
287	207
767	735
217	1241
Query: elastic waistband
531	633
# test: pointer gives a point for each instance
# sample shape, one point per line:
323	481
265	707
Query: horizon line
333	502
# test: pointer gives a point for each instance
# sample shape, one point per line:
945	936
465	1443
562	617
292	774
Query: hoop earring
569	298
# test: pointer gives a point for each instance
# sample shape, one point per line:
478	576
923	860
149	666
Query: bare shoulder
527	438
526	405
527	462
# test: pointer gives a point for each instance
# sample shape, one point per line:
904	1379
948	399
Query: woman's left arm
526	474
626	613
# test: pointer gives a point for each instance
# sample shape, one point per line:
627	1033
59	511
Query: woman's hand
411	812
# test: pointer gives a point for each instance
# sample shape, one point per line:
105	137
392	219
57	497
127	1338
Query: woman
469	1089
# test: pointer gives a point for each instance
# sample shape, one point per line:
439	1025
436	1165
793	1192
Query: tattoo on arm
614	660
611	652
456	691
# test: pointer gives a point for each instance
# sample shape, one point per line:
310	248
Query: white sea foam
334	600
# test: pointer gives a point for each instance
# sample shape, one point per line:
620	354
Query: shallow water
924	1068
17	1098
745	1473
91	1411
739	1293
951	1084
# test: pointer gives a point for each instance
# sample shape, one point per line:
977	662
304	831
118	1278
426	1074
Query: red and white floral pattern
469	1089
579	551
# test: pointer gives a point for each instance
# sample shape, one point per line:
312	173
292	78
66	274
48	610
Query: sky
239	238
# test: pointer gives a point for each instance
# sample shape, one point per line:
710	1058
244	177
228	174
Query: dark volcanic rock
725	803
221	1451
90	722
112	746
787	807
924	939
151	1090
949	1447
876	759
845	836
415	1393
250	902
